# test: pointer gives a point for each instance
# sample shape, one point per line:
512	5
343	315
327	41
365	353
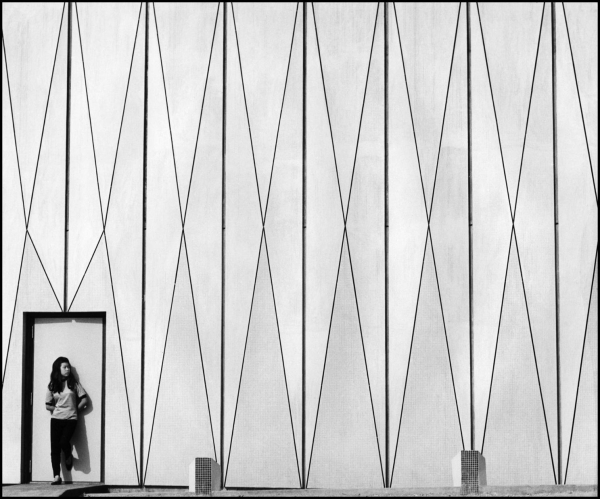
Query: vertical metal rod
470	201
304	244
556	254
68	155
223	214
144	206
386	236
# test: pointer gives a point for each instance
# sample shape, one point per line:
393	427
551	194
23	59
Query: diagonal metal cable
437	280
280	114
362	110
513	232
87	98
200	346
105	221
409	358
103	233
437	163
528	110
282	359
168	114
112	287
247	115
412	120
328	115
428	214
362	341
163	357
263	236
212	43
513	211
14	310
596	259
345	235
580	106
45	115
183	241
534	355
12	117
104	216
27	235
326	349
44	269
94	151
487	412
85	271
581	362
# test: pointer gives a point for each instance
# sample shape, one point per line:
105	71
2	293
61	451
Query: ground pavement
101	490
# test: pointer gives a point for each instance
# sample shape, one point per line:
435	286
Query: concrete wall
257	436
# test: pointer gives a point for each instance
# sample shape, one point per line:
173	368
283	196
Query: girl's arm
82	403
50	402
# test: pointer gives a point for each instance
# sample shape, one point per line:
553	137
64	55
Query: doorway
80	337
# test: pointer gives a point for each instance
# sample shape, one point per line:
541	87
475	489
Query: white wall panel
577	81
338	62
258	144
500	102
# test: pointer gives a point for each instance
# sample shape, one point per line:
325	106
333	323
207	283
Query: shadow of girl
79	441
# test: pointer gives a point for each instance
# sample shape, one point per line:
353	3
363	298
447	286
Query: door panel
80	340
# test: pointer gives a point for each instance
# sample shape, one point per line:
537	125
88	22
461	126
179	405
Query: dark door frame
27	391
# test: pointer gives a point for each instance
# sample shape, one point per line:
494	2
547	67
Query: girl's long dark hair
56	381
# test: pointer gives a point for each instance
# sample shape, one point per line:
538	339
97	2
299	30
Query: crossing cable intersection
428	236
345	236
263	216
183	240
514	234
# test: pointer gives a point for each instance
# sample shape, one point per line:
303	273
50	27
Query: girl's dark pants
61	431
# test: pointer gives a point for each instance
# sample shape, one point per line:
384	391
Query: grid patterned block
205	476
472	471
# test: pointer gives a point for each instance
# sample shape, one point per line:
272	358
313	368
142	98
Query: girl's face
65	369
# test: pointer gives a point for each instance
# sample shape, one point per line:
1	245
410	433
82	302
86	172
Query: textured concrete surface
44	489
100	490
539	491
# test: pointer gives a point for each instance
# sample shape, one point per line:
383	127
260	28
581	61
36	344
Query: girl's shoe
57	481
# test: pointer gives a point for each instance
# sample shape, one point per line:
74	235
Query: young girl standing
64	398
